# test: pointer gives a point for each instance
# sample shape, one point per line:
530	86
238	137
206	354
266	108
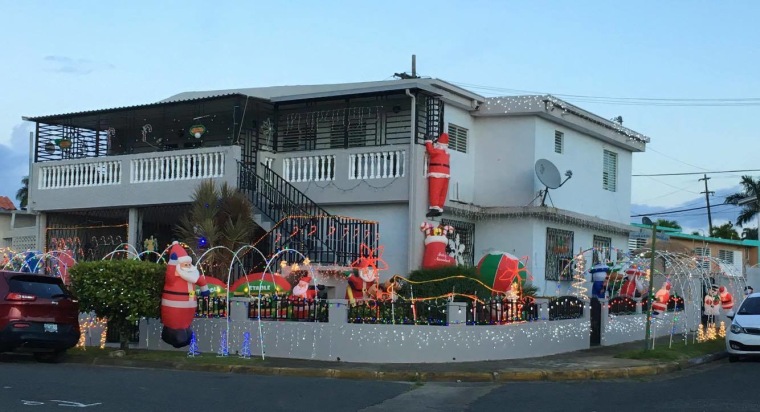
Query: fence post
238	309
605	317
456	313
638	305
337	310
543	308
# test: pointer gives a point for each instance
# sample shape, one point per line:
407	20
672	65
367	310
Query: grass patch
179	357
679	351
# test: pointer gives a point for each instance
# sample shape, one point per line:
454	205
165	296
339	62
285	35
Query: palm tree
750	188
725	231
23	194
667	223
749	233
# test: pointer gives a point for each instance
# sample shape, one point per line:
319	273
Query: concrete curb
505	375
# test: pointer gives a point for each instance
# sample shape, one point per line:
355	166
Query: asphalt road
26	385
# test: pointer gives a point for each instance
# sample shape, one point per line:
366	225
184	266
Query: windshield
751	306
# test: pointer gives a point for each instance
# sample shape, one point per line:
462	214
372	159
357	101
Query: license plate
51	327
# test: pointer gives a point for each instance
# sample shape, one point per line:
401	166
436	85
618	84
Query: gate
596	322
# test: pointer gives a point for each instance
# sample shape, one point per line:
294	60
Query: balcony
358	175
129	180
355	175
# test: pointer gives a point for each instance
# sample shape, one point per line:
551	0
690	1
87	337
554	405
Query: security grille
726	256
559	253
462	242
602	249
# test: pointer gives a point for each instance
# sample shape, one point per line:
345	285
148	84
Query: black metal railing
300	223
565	307
285	308
211	307
399	312
621	305
502	311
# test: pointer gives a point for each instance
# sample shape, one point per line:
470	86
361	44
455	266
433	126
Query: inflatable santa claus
178	302
436	240
438	174
303	290
661	298
361	281
635	283
726	300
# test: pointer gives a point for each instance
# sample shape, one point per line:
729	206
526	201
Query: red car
37	314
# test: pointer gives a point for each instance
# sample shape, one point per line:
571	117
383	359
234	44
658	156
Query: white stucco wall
394	223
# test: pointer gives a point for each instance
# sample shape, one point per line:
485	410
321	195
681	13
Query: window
636	243
726	256
457	138
462	243
559	254
602	249
609	172
559	141
357	135
703	257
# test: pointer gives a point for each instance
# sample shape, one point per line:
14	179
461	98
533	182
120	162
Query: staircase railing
300	223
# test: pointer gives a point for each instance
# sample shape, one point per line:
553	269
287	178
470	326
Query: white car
743	338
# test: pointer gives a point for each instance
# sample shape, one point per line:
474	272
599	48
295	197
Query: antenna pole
414	66
543	199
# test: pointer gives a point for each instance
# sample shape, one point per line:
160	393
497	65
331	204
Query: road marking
453	397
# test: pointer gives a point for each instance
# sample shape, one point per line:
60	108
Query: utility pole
707	198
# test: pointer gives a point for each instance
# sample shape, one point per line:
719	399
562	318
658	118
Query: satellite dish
549	175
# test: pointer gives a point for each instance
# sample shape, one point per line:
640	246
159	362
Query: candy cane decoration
345	232
294	232
313	230
356	233
277	239
332	230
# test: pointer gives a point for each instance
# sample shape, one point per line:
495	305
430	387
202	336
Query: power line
668	212
633	101
695	173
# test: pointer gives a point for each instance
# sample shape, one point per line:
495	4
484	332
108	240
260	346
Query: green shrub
463	280
123	291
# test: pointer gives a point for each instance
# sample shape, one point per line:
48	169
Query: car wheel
49	357
733	358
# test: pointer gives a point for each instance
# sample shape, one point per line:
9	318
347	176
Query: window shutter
609	171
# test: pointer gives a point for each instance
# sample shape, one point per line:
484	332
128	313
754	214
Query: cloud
14	161
67	65
692	214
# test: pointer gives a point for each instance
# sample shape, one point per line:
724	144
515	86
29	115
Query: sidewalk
594	363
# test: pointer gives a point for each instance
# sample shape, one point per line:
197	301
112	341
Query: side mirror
730	317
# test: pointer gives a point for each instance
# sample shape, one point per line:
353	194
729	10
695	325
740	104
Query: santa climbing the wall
178	302
438	174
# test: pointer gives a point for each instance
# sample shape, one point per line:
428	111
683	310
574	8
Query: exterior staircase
292	220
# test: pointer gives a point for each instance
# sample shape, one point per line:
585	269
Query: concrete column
41	232
456	313
337	310
135	226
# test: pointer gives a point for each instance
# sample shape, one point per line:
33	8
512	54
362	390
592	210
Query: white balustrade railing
177	167
377	165
98	173
309	168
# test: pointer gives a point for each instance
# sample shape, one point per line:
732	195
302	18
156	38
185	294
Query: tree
218	216
22	195
750	188
123	291
749	233
725	231
667	223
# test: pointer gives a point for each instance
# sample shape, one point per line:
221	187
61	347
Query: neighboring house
18	228
351	151
737	255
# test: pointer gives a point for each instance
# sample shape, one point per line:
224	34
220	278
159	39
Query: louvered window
726	256
457	138
559	141
703	257
609	173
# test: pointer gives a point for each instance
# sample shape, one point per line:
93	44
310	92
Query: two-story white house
351	153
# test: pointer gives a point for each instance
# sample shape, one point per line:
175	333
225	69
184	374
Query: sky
682	72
